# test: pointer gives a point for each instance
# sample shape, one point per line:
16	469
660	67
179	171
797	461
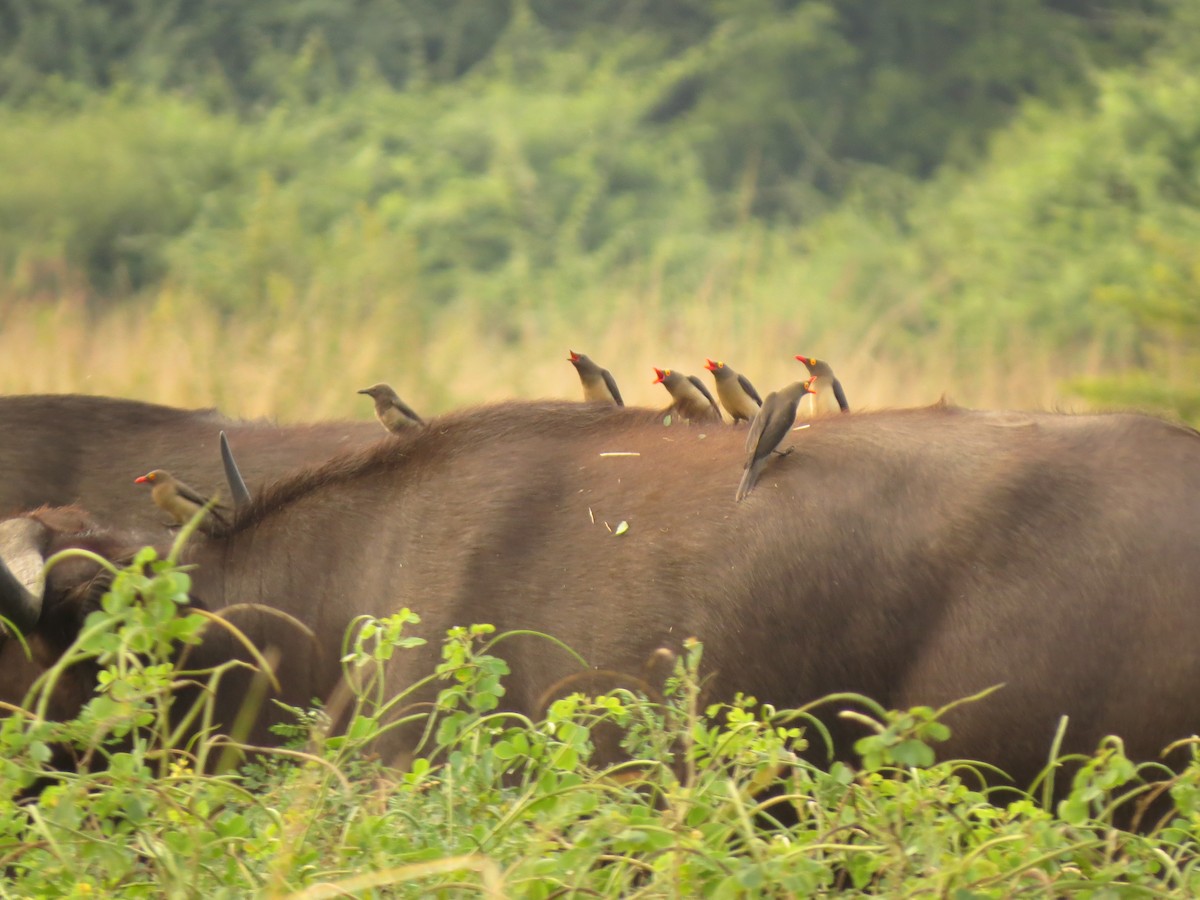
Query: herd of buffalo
916	556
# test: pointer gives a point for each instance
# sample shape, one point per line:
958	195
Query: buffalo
59	449
916	556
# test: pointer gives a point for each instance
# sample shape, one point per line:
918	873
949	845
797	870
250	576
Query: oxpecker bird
735	392
691	398
598	383
772	424
820	369
180	501
394	414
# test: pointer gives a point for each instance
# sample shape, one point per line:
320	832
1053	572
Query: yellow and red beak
660	374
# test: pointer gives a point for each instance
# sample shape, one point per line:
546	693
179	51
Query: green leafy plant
712	799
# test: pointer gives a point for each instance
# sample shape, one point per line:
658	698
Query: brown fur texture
916	556
60	449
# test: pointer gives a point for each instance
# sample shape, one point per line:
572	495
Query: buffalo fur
61	449
474	429
917	556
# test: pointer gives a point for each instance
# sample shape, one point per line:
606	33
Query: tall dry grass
305	361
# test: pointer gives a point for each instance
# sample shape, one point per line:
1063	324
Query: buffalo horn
237	486
22	584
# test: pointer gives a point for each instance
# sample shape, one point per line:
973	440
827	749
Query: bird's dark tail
750	478
840	394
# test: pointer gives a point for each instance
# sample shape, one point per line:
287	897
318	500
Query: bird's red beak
659	375
142	479
574	357
804	359
811	385
710	365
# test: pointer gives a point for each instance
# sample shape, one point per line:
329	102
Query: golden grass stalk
299	361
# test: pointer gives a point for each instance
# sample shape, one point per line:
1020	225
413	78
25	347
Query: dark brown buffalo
59	449
916	556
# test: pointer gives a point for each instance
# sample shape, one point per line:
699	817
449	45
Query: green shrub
714	801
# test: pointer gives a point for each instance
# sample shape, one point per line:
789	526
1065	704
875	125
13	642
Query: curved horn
22	582
237	487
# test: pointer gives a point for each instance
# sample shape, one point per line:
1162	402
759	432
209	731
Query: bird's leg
786	452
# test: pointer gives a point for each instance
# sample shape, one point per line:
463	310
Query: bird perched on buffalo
393	413
692	401
768	430
735	392
598	383
819	368
180	501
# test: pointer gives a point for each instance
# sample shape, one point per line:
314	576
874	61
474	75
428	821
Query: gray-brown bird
772	424
692	399
393	413
598	383
821	369
735	392
179	501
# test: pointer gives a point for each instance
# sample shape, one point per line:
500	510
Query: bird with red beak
598	383
819	368
772	424
180	501
735	392
690	398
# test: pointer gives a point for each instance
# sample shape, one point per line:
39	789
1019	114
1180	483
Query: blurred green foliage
997	172
804	94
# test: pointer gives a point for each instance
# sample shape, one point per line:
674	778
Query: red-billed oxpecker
735	392
598	383
393	413
179	501
818	368
772	424
692	401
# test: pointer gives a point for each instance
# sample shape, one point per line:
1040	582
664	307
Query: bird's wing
694	379
189	493
756	427
407	411
611	384
779	417
749	389
216	511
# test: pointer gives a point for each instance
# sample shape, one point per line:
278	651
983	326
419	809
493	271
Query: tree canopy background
978	198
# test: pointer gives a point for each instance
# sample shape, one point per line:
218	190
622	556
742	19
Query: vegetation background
267	206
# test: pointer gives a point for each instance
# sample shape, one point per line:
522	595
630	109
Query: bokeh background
266	206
